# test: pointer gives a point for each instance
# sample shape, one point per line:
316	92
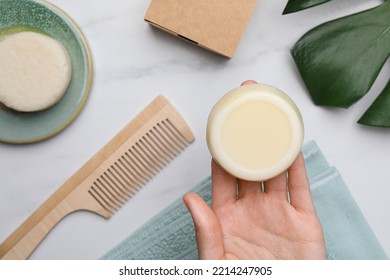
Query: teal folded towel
170	234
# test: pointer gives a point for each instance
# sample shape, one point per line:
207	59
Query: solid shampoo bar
35	71
255	132
216	25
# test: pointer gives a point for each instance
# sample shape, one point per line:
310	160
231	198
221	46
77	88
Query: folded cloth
170	234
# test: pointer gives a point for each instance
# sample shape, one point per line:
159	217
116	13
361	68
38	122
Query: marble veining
133	63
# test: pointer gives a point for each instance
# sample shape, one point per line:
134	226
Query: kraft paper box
216	25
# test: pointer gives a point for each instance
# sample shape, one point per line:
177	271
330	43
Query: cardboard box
216	25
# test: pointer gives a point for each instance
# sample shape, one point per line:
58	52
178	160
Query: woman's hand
246	222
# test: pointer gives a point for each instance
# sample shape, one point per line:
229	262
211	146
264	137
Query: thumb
207	227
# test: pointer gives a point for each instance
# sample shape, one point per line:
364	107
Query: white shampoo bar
255	132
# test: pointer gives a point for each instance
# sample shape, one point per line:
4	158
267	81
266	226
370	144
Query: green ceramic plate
41	16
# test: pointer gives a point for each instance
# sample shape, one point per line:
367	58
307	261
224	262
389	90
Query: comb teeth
111	177
137	165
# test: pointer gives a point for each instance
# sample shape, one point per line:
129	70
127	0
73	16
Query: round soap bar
35	71
255	132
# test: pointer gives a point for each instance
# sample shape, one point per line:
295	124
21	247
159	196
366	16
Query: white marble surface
132	64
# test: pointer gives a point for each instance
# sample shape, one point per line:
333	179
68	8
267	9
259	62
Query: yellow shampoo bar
255	132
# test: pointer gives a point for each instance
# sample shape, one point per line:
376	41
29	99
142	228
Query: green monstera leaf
297	5
341	59
379	112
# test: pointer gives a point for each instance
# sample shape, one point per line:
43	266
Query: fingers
207	227
299	187
246	188
223	186
249	82
277	187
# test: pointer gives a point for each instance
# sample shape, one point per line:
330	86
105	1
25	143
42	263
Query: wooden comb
110	177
